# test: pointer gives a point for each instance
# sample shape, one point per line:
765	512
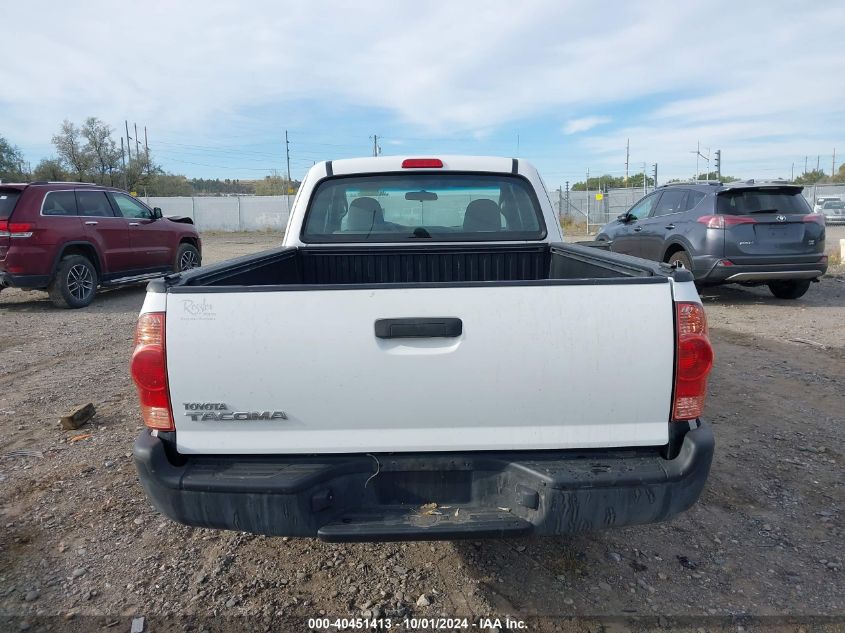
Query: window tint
833	204
59	203
744	202
129	207
671	201
8	200
93	203
643	208
441	207
693	198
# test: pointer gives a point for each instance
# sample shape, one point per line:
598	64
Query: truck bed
459	264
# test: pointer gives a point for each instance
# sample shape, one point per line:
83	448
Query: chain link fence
579	211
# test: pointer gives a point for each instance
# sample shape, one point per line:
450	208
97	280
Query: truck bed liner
367	265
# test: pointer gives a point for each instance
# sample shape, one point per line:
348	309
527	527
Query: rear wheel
789	289
74	284
681	257
187	257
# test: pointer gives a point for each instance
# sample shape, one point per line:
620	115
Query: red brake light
149	371
4	225
422	163
694	361
723	221
814	217
15	229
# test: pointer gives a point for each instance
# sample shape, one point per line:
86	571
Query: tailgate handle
419	327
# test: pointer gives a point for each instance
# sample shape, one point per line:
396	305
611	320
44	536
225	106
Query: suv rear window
440	207
747	201
59	203
8	200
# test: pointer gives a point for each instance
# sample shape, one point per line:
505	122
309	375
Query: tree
69	147
169	185
49	169
11	162
810	177
101	150
712	175
613	182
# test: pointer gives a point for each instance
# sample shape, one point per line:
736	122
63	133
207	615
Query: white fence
229	213
270	213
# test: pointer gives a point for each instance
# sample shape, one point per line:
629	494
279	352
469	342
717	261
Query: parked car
71	238
834	211
423	358
751	233
821	200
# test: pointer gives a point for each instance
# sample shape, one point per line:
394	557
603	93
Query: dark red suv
71	238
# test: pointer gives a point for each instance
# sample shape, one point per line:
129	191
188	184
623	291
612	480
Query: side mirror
157	214
623	217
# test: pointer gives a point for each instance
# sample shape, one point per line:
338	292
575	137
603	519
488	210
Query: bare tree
101	150
69	147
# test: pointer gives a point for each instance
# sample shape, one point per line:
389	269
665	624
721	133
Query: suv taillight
724	221
149	371
693	363
15	229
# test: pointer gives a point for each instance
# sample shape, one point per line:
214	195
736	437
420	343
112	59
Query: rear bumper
375	498
744	273
8	280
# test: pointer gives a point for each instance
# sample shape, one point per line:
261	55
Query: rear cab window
769	200
8	200
453	207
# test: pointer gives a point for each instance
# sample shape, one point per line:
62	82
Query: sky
562	84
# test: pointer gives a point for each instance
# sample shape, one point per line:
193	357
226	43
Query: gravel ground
82	549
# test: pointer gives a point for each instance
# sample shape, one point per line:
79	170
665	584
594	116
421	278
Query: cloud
670	73
573	126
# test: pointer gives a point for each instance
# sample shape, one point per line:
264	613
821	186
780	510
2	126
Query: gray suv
748	232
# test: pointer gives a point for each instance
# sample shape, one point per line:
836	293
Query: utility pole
123	158
792	173
627	158
287	157
645	180
375	145
654	167
560	202
567	196
817	162
833	164
718	164
805	164
128	146
587	187
697	154
146	146
137	150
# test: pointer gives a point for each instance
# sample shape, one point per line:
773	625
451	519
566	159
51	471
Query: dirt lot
81	548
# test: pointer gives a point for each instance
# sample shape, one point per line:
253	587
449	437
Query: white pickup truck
423	358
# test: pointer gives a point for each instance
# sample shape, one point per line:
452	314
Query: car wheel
789	289
74	284
681	257
187	257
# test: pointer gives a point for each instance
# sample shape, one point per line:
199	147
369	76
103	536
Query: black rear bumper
392	497
8	280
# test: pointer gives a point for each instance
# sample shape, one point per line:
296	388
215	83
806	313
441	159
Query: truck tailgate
535	367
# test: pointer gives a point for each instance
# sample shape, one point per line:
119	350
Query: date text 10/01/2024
417	624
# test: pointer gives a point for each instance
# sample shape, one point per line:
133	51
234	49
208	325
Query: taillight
724	221
694	361
149	371
422	163
814	217
15	229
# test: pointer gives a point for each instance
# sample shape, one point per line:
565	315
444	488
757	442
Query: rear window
59	203
8	200
748	201
440	207
834	204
